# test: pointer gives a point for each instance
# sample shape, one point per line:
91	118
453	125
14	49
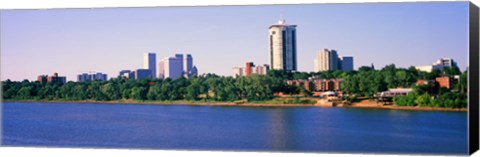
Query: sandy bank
361	104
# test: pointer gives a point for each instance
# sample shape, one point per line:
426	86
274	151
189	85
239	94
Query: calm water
304	129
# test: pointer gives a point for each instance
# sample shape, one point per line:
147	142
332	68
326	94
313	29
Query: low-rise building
445	81
318	84
438	65
142	74
52	79
89	77
249	69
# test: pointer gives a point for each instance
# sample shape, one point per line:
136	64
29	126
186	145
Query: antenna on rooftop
282	19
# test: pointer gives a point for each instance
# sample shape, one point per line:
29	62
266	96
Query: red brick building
318	84
248	69
445	81
52	79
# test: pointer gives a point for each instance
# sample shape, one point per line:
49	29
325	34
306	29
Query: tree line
209	87
364	82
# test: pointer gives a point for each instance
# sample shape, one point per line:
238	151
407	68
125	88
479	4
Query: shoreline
233	104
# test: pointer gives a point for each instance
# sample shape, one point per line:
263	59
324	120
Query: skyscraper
149	61
188	69
283	46
177	66
327	60
187	63
172	67
347	63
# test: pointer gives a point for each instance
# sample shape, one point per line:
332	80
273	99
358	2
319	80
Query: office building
260	69
161	69
446	62
52	79
346	63
177	66
149	62
89	77
99	76
172	67
126	74
83	77
249	69
189	70
318	84
283	46
187	64
326	60
238	72
438	65
142	74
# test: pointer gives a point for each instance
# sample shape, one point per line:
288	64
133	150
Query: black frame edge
473	79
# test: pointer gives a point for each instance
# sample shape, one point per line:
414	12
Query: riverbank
360	104
193	103
391	106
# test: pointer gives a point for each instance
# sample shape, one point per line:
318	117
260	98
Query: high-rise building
172	67
346	63
142	74
89	77
283	46
187	64
177	66
149	61
326	60
189	70
161	69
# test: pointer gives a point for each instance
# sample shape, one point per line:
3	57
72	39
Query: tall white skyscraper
327	60
283	46
161	69
149	62
172	66
177	66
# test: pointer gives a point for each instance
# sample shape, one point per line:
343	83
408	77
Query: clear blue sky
73	41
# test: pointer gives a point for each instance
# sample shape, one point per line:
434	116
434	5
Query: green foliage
408	100
364	82
209	88
423	100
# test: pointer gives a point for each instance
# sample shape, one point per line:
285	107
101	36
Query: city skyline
71	41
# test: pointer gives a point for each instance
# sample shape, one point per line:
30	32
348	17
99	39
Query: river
290	129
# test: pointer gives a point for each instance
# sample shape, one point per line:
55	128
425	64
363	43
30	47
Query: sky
108	40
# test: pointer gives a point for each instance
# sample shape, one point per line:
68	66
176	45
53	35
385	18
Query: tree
25	93
111	91
193	90
423	100
139	93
